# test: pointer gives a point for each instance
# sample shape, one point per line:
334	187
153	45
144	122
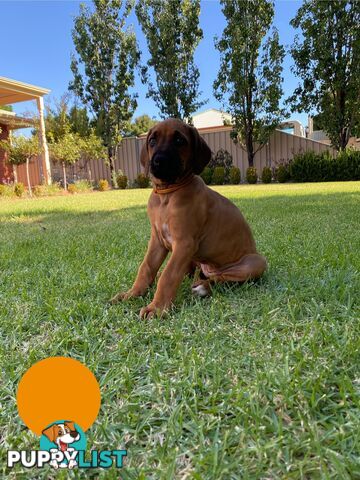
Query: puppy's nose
155	161
74	434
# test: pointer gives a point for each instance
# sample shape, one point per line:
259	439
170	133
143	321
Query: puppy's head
62	433
174	149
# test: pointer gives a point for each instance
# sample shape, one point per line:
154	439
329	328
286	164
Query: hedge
321	167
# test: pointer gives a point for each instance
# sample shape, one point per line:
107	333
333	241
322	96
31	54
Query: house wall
210	118
6	170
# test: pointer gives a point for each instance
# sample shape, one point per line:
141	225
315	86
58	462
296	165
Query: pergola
12	91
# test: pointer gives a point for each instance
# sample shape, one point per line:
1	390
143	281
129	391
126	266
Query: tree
91	148
66	150
20	150
249	82
108	55
57	122
60	118
79	121
327	60
140	125
172	32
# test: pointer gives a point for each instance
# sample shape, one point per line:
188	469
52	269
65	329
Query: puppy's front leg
171	278
155	255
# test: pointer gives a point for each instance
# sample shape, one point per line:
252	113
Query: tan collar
173	187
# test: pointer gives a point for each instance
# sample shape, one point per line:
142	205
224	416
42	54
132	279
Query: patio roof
13	121
12	91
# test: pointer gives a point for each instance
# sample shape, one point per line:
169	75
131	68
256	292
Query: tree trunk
250	150
89	171
15	174
111	165
28	177
64	175
344	138
251	158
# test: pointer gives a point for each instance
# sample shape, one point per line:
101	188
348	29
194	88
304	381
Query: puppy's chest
163	231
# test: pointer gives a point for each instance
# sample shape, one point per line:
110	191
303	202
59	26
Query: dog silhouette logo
63	439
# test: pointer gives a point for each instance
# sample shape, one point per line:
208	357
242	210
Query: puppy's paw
151	311
201	288
120	297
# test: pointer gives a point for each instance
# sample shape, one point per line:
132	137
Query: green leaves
71	147
327	60
249	82
67	149
92	148
21	149
141	124
172	32
103	69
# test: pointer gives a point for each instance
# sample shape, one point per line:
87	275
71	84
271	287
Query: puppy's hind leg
250	267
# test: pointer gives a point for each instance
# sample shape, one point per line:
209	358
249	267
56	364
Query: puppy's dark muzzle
155	162
166	165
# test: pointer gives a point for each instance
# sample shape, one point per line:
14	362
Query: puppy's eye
152	142
60	432
179	141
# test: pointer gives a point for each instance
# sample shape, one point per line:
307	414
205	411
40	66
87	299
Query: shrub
103	185
72	188
121	180
37	190
251	175
307	167
142	181
266	175
44	190
206	175
218	177
321	167
222	159
7	190
83	185
347	165
282	173
19	189
234	175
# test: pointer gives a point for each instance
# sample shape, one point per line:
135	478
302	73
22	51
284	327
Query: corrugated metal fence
281	147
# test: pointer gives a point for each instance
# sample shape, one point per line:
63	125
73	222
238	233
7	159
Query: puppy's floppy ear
201	151
51	432
144	155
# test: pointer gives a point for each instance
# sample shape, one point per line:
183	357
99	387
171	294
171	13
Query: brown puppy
199	226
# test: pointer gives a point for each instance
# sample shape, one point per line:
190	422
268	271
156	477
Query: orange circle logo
58	388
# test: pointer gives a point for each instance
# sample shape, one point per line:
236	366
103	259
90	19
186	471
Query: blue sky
36	47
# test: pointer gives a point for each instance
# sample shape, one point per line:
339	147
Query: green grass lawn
258	382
